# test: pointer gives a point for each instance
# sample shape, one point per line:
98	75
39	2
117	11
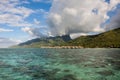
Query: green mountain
50	41
110	39
106	39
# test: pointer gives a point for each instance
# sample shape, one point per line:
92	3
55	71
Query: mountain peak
48	40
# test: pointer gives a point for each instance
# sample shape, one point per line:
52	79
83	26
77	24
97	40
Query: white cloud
70	11
78	16
37	22
42	12
44	1
56	18
13	20
5	30
13	15
37	32
25	2
27	29
75	35
37	0
6	42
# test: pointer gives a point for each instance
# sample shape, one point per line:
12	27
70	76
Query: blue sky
21	20
39	7
35	10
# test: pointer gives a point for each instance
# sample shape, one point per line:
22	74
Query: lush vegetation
51	41
107	39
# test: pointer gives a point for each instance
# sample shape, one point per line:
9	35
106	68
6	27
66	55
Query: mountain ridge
50	41
109	39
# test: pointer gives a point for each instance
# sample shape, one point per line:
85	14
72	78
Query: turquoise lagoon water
60	64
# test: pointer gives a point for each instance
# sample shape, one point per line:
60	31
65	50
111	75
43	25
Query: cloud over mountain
37	32
78	16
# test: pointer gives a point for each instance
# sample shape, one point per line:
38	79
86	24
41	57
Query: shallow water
60	64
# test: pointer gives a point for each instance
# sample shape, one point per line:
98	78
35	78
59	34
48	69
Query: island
109	39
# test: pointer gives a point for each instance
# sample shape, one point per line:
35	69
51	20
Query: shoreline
62	47
59	47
